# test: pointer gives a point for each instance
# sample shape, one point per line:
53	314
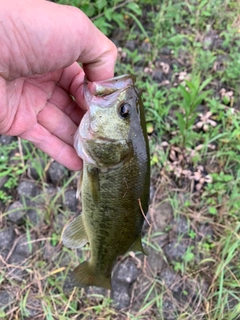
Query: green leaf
138	23
192	86
119	19
200	98
101	24
101	4
108	14
89	10
205	83
185	94
181	122
188	256
192	119
134	7
212	210
227	178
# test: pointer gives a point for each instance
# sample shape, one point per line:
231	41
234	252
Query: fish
115	182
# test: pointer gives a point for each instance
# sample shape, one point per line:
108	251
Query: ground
186	58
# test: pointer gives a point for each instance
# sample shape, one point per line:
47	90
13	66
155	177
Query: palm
41	110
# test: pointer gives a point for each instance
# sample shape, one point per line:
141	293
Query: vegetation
186	57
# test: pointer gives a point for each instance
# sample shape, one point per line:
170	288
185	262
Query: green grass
178	144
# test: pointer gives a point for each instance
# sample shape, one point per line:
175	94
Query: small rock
5	140
96	290
69	284
26	191
35	215
48	251
16	212
121	298
51	193
3	180
125	274
35	168
17	272
163	214
171	279
155	260
131	45
5	298
40	199
70	200
165	51
57	172
33	307
180	226
21	252
206	231
16	259
169	308
145	47
24	247
175	250
158	75
59	222
7	237
209	40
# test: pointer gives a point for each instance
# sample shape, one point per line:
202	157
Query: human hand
40	44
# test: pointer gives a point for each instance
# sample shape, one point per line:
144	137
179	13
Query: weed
104	13
191	95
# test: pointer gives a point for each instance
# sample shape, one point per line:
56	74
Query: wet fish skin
113	143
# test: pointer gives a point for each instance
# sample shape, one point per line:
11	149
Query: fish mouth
107	90
107	87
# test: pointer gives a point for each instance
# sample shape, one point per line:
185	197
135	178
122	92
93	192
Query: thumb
39	36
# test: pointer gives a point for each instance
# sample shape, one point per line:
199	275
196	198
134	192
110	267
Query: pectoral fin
137	246
75	236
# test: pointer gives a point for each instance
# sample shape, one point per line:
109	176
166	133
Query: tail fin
84	275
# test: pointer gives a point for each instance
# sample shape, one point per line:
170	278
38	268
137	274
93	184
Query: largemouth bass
113	143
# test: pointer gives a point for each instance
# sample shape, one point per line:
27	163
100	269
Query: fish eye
124	109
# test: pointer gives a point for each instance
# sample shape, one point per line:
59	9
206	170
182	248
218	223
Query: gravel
7	237
57	173
16	213
70	200
125	274
26	191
